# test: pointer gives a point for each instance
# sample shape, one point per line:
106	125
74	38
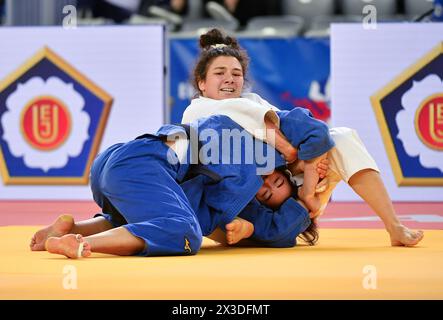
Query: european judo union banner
52	119
409	110
286	72
388	84
68	94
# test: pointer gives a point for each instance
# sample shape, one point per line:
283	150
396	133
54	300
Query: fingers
313	215
322	185
323	167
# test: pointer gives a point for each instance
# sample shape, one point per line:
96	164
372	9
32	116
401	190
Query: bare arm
311	179
276	139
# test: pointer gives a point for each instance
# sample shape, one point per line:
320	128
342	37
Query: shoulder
199	107
258	99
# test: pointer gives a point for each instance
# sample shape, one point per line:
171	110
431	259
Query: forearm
276	228
311	177
276	138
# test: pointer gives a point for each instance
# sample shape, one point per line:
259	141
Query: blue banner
286	72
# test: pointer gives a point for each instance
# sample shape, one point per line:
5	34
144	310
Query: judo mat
350	261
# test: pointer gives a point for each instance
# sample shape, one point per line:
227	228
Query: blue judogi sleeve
302	130
278	228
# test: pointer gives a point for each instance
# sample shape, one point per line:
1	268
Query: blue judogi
139	186
277	228
136	185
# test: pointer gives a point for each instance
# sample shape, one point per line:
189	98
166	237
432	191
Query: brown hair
209	52
310	235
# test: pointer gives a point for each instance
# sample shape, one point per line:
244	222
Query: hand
315	215
323	168
322	185
296	167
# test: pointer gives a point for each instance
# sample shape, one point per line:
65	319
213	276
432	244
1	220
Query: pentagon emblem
409	111
52	118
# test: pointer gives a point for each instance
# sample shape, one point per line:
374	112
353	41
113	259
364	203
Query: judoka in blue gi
139	182
137	185
217	204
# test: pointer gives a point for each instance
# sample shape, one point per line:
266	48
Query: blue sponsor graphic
46	65
286	72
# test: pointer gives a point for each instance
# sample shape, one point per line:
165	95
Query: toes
419	235
86	247
233	225
86	253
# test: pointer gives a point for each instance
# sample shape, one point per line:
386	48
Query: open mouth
229	90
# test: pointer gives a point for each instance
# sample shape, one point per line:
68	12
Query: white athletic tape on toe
80	249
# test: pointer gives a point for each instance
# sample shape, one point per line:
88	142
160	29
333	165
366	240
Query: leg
117	241
356	166
65	224
364	183
91	226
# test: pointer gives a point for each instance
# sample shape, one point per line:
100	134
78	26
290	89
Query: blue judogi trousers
138	183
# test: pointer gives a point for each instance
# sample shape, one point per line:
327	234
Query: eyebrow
224	68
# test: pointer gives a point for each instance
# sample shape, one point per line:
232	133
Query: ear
202	85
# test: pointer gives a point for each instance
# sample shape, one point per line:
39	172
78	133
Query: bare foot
403	236
71	245
238	229
60	227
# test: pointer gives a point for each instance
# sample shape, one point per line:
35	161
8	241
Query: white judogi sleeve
247	113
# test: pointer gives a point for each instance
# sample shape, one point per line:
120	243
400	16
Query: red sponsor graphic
46	123
429	122
319	109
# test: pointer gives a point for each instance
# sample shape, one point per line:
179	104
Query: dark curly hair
310	235
209	52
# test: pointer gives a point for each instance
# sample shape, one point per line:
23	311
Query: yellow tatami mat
345	264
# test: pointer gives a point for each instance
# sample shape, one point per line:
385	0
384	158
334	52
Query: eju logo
409	111
51	122
46	123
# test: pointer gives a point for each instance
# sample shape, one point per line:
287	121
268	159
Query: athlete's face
224	79
275	190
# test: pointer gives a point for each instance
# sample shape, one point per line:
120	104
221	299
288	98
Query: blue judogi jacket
218	203
302	130
136	185
230	160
